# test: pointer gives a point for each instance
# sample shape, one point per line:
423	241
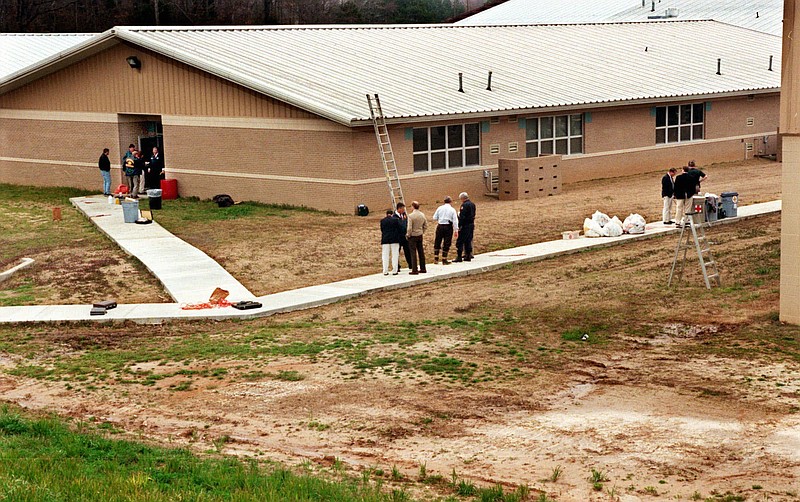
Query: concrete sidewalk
314	296
188	274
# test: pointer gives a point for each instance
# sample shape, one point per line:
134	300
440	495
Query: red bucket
169	189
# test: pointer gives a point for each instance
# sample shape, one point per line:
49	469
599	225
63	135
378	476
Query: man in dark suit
403	216
466	228
684	190
155	170
391	233
668	194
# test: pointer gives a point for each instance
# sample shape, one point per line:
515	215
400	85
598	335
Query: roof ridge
350	27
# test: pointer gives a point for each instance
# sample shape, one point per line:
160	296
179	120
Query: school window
676	123
560	135
447	147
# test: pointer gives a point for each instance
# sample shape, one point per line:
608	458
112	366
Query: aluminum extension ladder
385	147
697	240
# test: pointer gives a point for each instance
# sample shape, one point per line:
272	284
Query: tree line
88	16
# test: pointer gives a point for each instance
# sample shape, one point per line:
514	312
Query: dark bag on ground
223	200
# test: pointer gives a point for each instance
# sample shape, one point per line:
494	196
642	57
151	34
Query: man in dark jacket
403	216
154	171
684	190
391	233
138	174
668	194
698	175
104	163
466	228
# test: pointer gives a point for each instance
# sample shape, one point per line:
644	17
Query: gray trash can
730	204
711	209
130	210
154	198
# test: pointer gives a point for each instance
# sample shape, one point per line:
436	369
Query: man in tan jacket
417	223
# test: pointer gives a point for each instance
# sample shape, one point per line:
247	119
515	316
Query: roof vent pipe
653	8
719	66
489	86
756	14
460	82
643	3
770	63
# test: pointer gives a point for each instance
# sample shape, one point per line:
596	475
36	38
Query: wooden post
790	144
56	214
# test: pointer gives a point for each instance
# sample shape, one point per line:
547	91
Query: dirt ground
285	249
280	252
678	393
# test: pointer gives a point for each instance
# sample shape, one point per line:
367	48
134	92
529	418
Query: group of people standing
681	189
138	174
406	230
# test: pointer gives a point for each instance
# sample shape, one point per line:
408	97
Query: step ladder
697	240
385	147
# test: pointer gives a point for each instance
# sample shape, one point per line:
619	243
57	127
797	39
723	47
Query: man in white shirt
447	224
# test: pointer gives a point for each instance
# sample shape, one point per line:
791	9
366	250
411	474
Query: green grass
27	226
192	209
43	195
48	460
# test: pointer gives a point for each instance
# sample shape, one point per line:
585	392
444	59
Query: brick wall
54	152
318	154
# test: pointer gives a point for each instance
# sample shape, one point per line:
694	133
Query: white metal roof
328	70
549	12
760	15
21	50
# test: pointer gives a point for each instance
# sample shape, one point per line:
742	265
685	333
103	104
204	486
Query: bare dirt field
678	393
273	249
278	250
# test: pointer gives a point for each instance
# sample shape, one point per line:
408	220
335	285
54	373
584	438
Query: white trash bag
613	228
600	218
591	228
634	224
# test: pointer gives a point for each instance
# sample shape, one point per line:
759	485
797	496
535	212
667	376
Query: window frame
675	128
552	125
463	150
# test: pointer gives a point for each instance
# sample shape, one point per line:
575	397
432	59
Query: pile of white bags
634	224
600	225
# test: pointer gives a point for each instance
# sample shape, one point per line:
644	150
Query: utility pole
155	8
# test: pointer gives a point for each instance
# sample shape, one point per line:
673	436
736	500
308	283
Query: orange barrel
169	189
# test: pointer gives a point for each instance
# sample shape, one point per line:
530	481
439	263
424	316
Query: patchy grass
74	262
47	459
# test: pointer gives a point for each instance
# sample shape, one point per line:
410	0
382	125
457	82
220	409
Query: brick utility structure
790	140
278	113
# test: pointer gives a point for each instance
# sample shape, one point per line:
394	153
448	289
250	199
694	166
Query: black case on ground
246	305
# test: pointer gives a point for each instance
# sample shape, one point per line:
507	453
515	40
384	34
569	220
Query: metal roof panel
21	50
329	69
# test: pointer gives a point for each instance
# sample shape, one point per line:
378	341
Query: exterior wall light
133	62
